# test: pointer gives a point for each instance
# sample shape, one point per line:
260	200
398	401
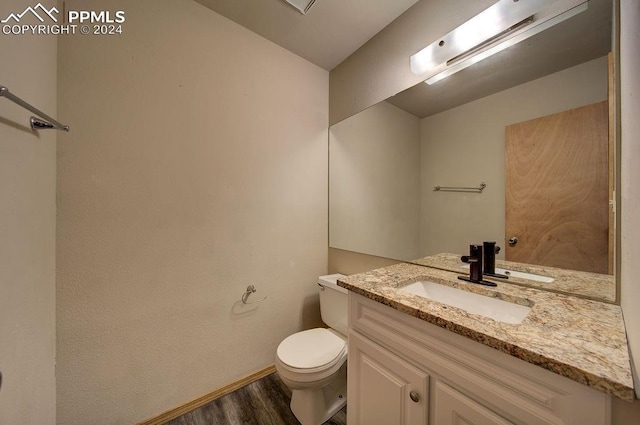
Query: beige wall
27	230
380	68
464	146
197	165
349	262
629	413
369	211
630	153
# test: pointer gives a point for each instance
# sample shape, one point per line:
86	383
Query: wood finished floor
264	402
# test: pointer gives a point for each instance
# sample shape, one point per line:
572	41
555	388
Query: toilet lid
311	349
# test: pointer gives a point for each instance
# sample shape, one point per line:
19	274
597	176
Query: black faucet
489	261
475	266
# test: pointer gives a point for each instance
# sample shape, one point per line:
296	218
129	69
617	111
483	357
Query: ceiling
329	33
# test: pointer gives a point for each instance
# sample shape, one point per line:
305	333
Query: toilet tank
333	303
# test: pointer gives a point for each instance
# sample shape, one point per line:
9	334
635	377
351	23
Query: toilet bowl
313	363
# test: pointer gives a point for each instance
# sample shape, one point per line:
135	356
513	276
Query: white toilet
313	363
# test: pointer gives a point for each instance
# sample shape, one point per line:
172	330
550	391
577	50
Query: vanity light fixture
302	6
500	26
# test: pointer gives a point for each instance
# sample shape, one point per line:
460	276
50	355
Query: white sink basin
520	275
496	309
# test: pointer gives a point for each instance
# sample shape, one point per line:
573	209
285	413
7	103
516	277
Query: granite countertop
594	286
581	339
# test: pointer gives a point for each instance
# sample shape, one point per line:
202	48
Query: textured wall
197	165
27	229
629	413
349	262
465	146
630	152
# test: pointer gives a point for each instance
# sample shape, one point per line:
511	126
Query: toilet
313	363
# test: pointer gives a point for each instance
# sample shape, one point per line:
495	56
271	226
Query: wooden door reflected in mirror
557	191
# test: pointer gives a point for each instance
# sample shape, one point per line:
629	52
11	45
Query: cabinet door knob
414	396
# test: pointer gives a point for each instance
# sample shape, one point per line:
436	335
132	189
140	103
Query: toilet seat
312	351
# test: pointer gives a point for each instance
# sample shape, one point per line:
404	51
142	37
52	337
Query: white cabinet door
383	388
451	407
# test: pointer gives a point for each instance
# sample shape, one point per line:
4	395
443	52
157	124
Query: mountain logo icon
38	11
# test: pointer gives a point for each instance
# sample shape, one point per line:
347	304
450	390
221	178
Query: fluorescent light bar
494	48
493	30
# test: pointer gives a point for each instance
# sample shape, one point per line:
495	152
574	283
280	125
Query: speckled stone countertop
594	286
581	339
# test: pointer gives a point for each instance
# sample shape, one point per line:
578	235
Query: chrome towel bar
460	189
43	122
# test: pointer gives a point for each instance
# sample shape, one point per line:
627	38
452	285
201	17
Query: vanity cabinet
403	370
380	378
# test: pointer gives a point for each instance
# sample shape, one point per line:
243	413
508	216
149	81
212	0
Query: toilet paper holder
250	290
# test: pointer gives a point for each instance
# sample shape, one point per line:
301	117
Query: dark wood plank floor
264	402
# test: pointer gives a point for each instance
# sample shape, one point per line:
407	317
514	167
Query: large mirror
386	162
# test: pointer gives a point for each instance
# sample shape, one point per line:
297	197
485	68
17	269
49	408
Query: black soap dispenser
475	261
489	260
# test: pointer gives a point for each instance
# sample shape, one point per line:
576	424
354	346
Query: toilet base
316	406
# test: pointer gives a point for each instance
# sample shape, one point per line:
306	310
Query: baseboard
208	398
